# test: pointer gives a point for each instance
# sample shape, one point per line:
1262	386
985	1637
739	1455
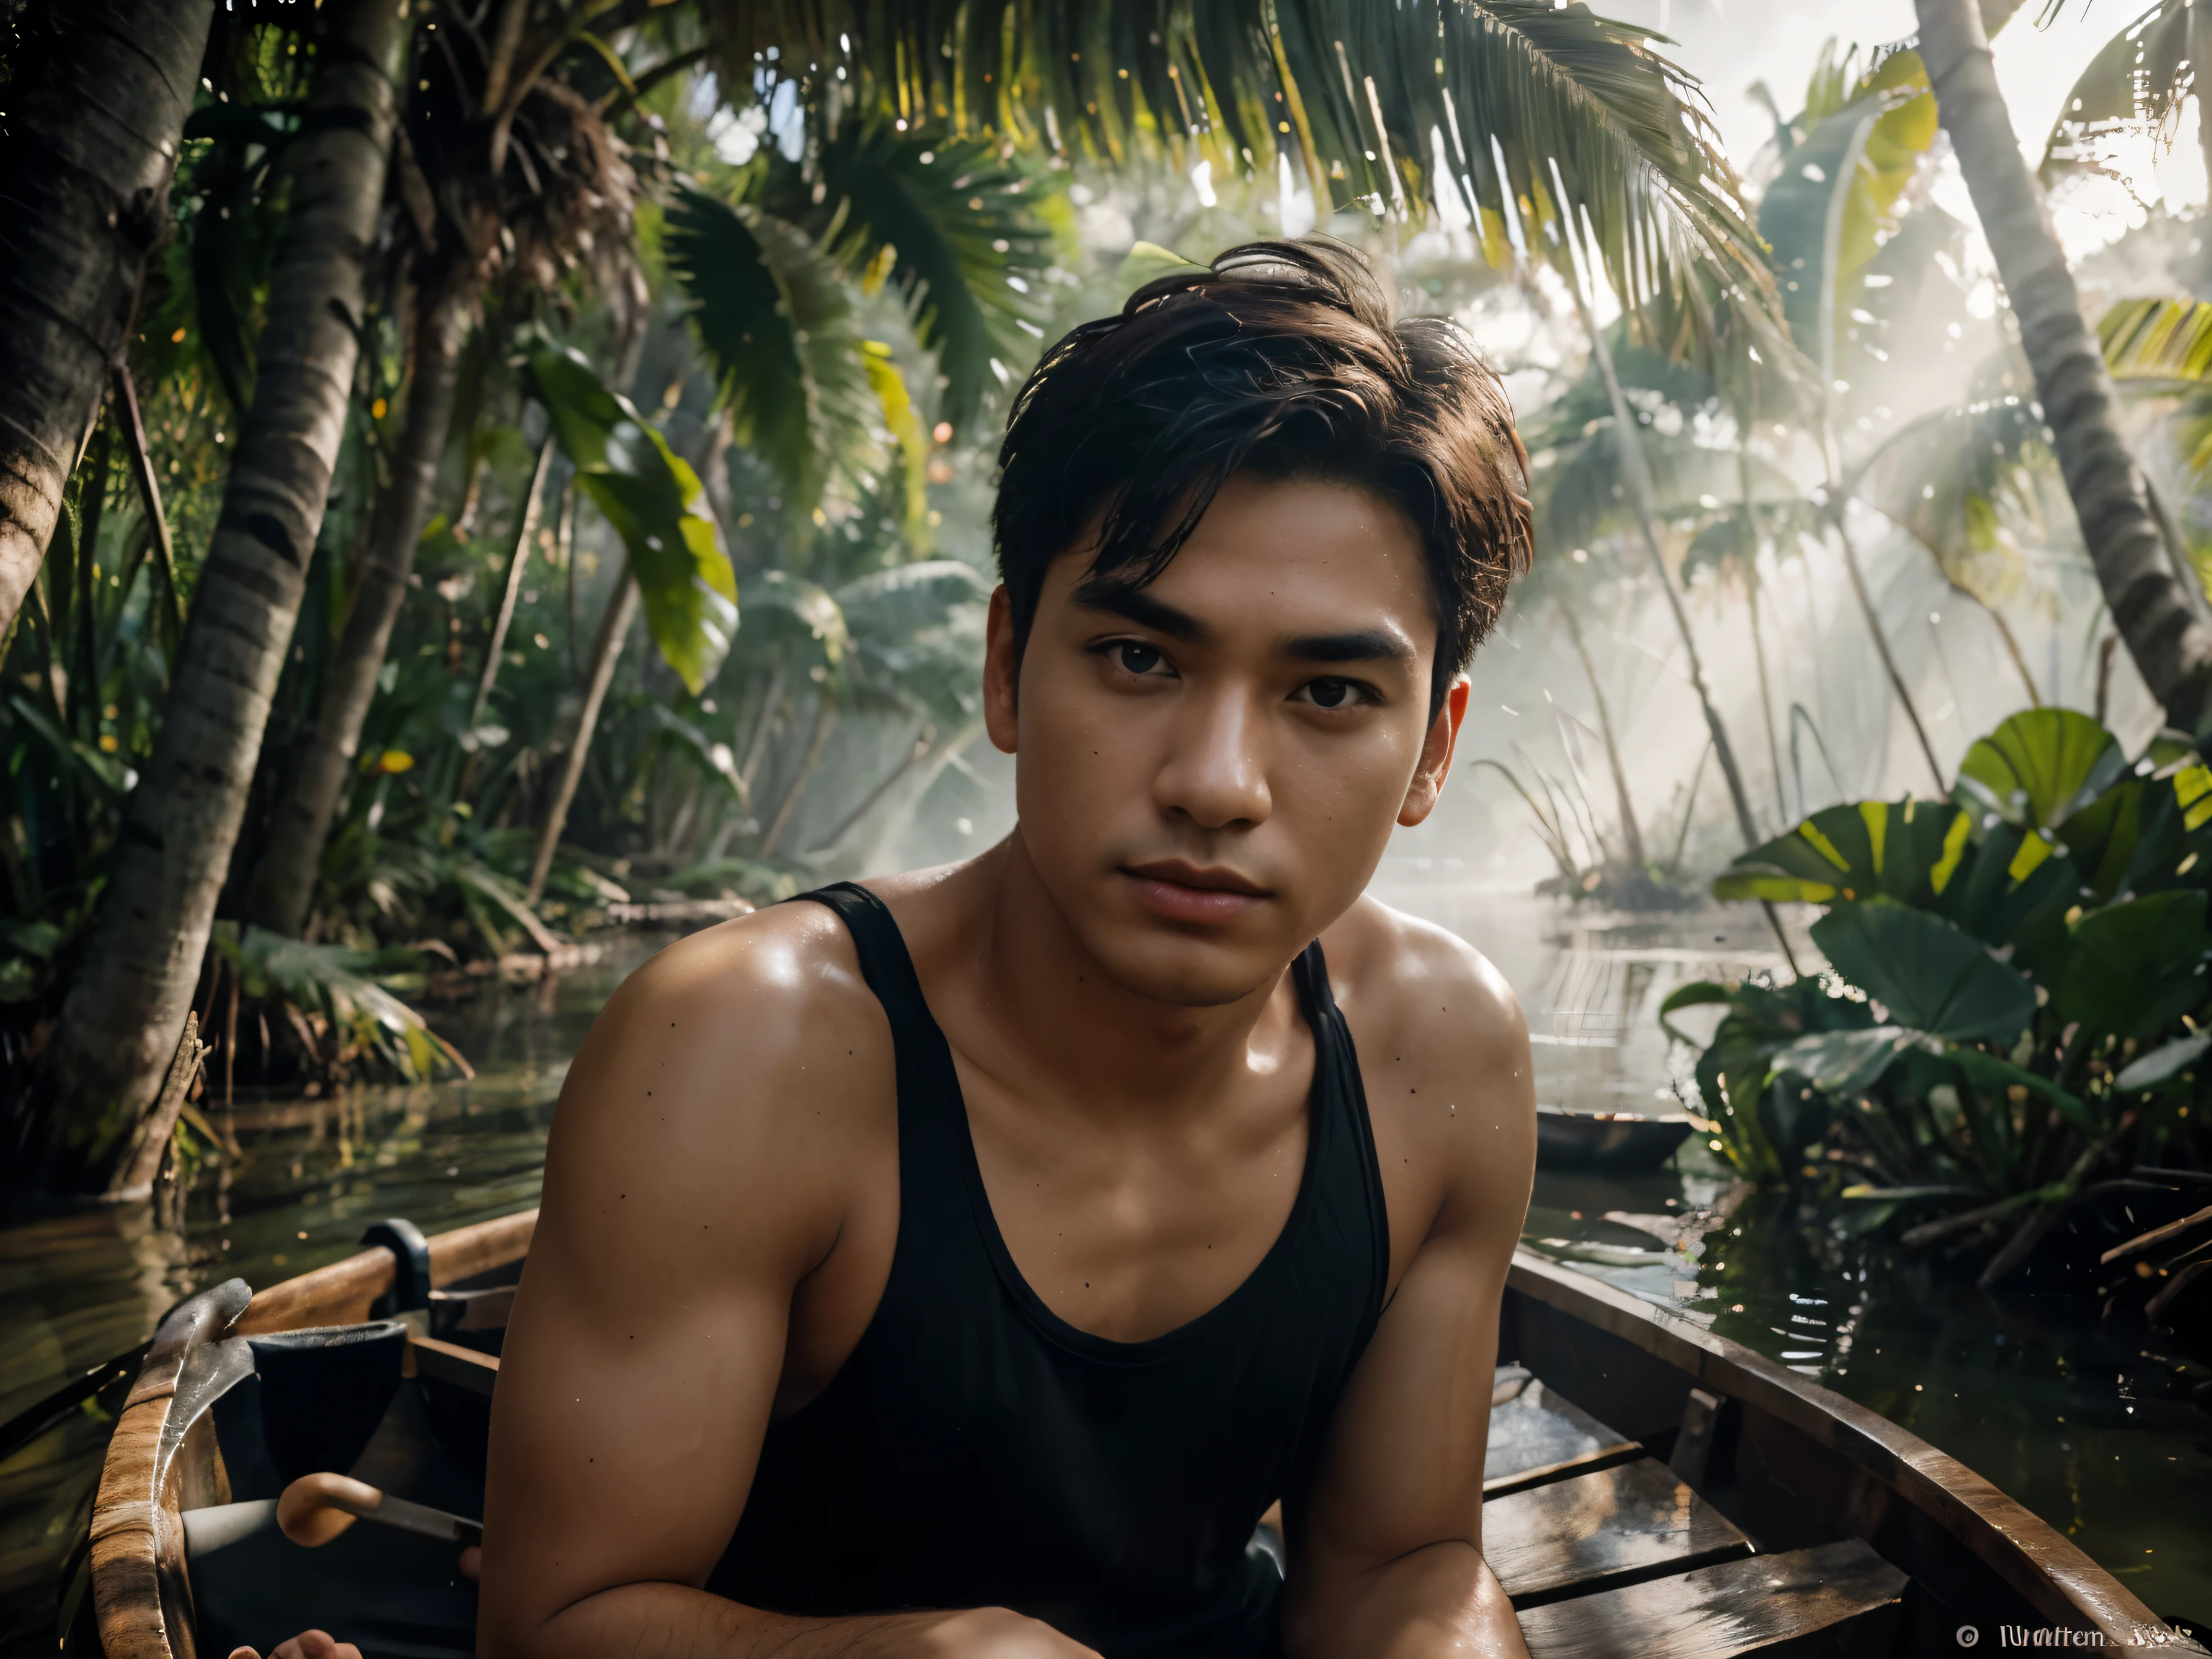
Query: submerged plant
2018	1000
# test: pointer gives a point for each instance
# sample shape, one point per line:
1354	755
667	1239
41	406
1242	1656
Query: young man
962	1264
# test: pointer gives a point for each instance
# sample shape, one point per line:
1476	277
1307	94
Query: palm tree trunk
1642	495
118	1028
2170	648
97	102
614	627
1630	832
285	883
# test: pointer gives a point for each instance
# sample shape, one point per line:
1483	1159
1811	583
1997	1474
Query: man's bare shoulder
1444	1050
719	1082
1398	977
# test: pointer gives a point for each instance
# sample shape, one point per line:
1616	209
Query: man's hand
308	1644
995	1633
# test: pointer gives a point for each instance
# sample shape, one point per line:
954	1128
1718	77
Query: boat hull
1652	1490
1613	1141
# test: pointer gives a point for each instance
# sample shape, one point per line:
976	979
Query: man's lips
1189	892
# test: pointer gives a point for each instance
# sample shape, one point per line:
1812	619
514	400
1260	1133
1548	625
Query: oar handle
317	1508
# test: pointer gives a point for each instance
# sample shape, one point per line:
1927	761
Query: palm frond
1539	109
915	630
2163	349
774	316
2157	340
2141	79
1859	144
956	223
1777	518
909	443
1957	480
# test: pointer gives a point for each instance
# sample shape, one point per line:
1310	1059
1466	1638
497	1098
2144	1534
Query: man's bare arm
700	1169
1386	1559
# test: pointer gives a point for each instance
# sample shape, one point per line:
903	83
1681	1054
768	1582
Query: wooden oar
317	1508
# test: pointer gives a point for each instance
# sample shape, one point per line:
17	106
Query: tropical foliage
2017	1002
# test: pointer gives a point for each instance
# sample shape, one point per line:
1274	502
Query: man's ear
1002	673
1435	761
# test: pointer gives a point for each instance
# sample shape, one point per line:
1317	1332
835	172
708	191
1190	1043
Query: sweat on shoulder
966	1262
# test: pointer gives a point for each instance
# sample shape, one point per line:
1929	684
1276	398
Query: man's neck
1056	1018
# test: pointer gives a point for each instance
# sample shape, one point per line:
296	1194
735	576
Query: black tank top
978	1451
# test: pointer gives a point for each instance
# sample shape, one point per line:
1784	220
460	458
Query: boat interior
1648	1489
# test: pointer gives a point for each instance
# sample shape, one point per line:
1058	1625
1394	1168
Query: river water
2081	1418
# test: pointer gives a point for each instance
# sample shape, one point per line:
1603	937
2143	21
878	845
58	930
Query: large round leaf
2014	889
1929	975
2135	967
2039	767
1908	851
1845	1063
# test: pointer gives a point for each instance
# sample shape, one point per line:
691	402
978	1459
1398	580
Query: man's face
1209	766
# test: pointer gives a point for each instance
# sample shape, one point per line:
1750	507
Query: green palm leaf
774	316
2141	79
2041	767
2159	348
1533	105
1931	976
2158	340
1851	156
1957	480
950	224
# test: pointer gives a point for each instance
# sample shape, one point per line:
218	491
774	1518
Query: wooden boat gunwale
141	1598
2052	1573
150	1477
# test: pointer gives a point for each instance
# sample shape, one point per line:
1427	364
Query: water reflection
2082	1418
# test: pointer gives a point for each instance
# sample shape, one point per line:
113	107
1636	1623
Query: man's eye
1137	656
1330	694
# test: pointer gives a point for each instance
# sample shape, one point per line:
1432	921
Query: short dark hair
1281	359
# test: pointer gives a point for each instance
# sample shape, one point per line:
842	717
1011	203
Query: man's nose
1216	775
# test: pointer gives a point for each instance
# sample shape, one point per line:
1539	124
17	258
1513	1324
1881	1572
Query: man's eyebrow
1140	608
1362	644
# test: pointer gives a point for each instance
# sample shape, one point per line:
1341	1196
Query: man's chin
1170	965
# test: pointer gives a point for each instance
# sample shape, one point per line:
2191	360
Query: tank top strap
928	1086
1341	1116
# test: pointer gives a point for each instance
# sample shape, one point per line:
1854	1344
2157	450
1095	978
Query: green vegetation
549	463
2018	1000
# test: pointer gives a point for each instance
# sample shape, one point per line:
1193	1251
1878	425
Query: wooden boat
1570	1140
1652	1490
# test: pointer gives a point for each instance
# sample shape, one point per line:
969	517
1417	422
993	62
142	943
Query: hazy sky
1729	43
